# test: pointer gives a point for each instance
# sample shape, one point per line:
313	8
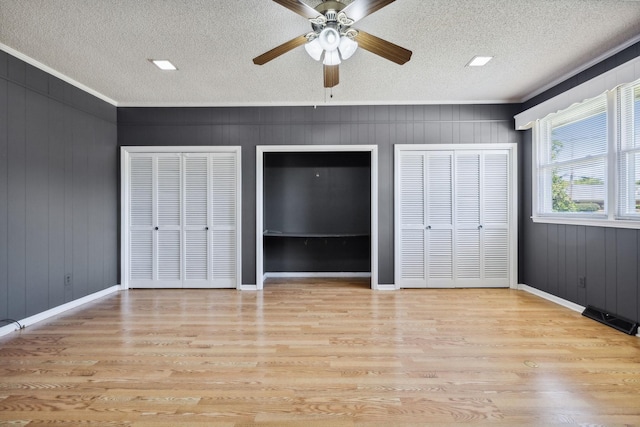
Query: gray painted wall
58	191
553	257
326	125
59	177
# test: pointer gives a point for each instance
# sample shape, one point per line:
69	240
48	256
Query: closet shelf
275	233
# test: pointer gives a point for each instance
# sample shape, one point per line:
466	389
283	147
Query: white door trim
125	158
261	149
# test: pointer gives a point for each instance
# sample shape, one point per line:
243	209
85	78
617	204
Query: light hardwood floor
320	353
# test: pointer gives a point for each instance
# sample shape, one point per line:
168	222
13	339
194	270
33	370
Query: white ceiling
104	45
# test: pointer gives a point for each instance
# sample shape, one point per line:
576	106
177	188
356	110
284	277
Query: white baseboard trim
561	301
248	287
304	275
386	287
5	330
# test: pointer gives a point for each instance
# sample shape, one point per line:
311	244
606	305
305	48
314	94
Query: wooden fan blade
299	7
383	48
361	8
331	75
277	51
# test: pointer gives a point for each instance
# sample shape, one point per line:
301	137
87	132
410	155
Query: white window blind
628	158
572	161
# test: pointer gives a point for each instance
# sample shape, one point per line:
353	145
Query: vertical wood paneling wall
554	257
326	125
59	175
58	191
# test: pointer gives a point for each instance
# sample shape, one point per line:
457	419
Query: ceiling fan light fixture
314	49
332	39
347	47
331	58
329	39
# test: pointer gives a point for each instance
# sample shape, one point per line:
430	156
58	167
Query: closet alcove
316	211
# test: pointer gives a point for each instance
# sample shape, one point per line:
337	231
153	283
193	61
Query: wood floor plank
319	352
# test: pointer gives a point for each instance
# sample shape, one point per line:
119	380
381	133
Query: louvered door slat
141	192
412	191
467	254
496	189
468	190
223	253
141	255
223	191
440	256
412	255
196	255
169	191
439	191
196	190
169	255
496	254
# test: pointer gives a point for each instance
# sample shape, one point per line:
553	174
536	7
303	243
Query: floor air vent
620	323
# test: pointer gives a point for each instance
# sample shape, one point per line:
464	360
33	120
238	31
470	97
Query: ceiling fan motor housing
325	6
331	15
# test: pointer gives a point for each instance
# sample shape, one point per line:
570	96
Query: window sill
591	222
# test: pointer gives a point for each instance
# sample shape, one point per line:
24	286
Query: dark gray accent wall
310	194
554	257
383	126
58	191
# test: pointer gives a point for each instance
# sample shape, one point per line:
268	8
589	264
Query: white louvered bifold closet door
196	221
468	224
141	220
412	201
169	224
426	241
482	219
224	214
495	218
440	237
154	221
183	220
453	209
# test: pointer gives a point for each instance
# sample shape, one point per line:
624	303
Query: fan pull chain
330	94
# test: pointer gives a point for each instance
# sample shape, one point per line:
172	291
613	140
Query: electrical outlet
582	282
67	279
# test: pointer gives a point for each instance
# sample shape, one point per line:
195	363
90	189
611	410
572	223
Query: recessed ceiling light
164	64
479	61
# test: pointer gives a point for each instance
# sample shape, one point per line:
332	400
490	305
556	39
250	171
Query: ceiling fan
333	39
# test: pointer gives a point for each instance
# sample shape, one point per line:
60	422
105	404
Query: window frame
611	218
630	131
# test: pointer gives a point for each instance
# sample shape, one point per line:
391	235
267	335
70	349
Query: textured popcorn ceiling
104	45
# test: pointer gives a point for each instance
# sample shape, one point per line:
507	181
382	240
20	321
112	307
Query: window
572	161
629	152
587	162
